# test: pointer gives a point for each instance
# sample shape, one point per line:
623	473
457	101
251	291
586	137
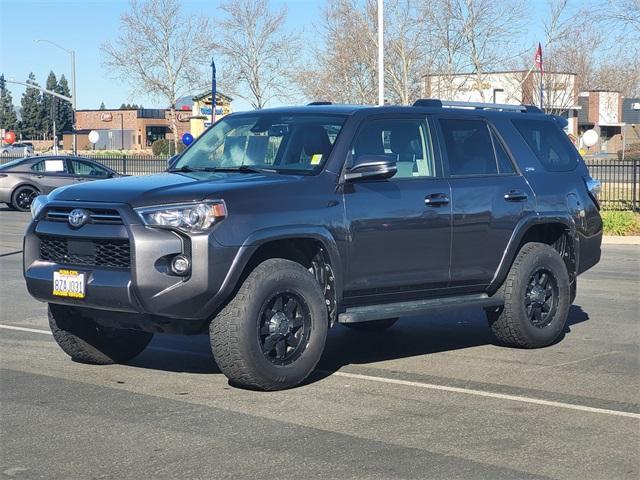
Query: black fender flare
254	241
522	227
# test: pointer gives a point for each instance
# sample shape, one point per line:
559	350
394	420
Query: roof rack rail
435	103
320	103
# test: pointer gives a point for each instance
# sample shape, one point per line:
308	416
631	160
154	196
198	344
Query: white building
560	90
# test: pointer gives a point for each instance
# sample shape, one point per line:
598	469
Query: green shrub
618	222
164	146
631	152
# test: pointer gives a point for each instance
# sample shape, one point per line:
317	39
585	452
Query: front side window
407	141
88	169
469	146
550	144
285	143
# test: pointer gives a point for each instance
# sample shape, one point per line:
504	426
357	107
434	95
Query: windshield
283	143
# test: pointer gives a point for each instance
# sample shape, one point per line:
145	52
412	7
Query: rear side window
469	147
54	165
549	144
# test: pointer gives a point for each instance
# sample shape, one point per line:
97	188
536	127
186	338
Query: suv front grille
93	253
97	215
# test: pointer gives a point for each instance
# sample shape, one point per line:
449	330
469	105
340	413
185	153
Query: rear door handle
436	200
515	196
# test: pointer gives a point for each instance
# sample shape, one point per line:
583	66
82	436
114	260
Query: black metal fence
620	179
620	182
133	164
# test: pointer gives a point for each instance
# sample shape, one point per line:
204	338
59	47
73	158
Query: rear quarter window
549	144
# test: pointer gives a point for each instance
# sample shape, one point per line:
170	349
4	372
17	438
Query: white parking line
430	386
23	329
482	393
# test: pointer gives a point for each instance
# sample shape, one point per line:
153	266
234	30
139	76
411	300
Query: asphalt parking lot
430	398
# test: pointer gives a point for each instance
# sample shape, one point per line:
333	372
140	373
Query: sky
83	25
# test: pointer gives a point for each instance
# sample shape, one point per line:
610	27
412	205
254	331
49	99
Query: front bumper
147	286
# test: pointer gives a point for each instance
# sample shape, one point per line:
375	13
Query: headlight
38	204
190	217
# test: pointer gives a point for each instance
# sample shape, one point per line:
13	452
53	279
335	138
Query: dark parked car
276	224
24	179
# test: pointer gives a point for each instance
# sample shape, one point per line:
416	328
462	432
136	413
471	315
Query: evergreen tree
102	107
8	117
64	120
31	111
49	106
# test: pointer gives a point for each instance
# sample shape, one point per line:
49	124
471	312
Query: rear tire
271	335
372	326
87	342
536	294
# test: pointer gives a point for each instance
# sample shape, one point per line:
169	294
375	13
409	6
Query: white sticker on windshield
54	165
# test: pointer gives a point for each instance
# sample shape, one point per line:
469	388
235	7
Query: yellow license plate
68	283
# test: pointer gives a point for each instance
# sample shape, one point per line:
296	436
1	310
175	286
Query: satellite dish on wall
590	138
94	136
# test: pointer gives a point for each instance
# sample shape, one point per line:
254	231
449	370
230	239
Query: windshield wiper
244	169
186	168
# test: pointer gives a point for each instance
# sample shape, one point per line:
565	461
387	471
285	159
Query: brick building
612	116
126	129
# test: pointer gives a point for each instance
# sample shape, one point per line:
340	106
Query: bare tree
472	36
160	51
345	63
600	45
260	54
406	50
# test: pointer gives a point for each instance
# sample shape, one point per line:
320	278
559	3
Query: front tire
87	342
22	197
372	326
271	335
537	297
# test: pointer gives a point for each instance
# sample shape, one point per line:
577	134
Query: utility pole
213	91
72	53
121	131
380	52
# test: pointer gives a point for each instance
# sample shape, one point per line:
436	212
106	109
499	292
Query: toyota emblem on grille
78	217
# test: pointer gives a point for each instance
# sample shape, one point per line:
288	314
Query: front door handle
436	200
515	196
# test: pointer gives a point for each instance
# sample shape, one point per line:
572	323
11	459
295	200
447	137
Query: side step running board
417	307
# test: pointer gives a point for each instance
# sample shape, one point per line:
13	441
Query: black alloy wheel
541	299
23	197
284	327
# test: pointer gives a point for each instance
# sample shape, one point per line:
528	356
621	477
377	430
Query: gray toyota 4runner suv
276	224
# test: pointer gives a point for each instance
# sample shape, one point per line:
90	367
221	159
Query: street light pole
380	52
73	105
72	53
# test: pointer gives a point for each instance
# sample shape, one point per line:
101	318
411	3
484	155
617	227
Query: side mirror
172	161
371	167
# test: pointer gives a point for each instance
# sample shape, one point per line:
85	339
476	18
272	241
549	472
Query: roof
467	74
338	109
204	95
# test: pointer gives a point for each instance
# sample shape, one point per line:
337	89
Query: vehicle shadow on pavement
410	337
416	336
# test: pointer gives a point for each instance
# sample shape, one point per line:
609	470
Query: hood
166	187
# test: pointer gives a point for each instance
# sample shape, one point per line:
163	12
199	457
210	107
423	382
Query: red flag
538	58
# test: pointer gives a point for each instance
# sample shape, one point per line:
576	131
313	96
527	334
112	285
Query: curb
620	240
